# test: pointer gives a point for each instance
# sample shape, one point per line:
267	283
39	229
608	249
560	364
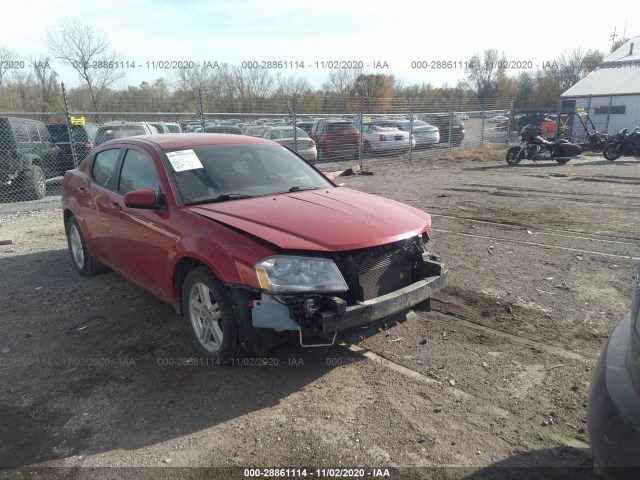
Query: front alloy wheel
206	318
209	316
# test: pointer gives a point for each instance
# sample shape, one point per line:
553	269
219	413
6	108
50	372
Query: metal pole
201	109
511	116
292	111
411	133
67	117
360	162
482	128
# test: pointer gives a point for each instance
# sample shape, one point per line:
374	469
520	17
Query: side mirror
144	198
330	176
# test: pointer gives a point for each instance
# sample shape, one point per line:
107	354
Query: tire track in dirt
535	244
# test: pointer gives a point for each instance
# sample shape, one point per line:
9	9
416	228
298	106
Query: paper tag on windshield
184	160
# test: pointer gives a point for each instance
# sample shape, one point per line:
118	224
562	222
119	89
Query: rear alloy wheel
83	262
514	155
209	316
35	183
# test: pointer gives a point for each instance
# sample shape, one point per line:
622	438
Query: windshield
227	172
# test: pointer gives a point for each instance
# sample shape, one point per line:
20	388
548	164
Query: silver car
303	145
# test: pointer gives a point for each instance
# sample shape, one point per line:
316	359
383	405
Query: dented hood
333	219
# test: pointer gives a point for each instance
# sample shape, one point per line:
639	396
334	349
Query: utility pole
613	37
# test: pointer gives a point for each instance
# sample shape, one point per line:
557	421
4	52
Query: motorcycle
597	141
534	147
623	144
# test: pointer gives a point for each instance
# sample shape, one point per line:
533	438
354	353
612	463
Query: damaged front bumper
333	315
384	306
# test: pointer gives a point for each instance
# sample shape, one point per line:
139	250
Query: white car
498	119
385	138
424	134
306	147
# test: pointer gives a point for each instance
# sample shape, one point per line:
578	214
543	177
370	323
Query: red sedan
249	242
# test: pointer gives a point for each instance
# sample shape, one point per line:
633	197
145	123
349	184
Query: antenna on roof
613	37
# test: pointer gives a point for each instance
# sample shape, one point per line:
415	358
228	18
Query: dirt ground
98	373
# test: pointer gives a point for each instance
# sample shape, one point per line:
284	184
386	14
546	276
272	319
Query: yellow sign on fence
77	120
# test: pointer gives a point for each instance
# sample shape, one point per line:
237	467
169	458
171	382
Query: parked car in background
254	130
173	127
613	406
190	125
378	138
230	129
336	139
28	157
306	126
303	145
424	133
463	116
449	126
497	119
112	130
250	244
166	127
83	140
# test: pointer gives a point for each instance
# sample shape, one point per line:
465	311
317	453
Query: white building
611	93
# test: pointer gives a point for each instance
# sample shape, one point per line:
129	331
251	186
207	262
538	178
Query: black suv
84	137
28	156
449	127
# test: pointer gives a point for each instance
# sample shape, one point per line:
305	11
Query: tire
82	260
514	155
34	183
611	152
562	161
209	317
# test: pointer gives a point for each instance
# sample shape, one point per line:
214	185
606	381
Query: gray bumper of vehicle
385	305
613	410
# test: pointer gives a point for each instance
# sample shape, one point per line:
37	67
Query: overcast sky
307	31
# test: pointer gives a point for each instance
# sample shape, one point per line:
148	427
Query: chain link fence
37	148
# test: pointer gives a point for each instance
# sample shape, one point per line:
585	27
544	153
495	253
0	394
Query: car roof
167	141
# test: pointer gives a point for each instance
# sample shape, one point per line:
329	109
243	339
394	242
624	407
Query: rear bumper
386	305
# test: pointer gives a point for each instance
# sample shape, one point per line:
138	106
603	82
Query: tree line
230	88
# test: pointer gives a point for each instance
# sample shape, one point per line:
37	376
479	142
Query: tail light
312	144
88	145
438	129
413	136
383	137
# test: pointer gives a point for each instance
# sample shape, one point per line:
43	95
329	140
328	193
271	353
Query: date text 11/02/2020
215	64
467	65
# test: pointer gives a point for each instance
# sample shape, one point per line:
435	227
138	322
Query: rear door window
33	132
44	133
